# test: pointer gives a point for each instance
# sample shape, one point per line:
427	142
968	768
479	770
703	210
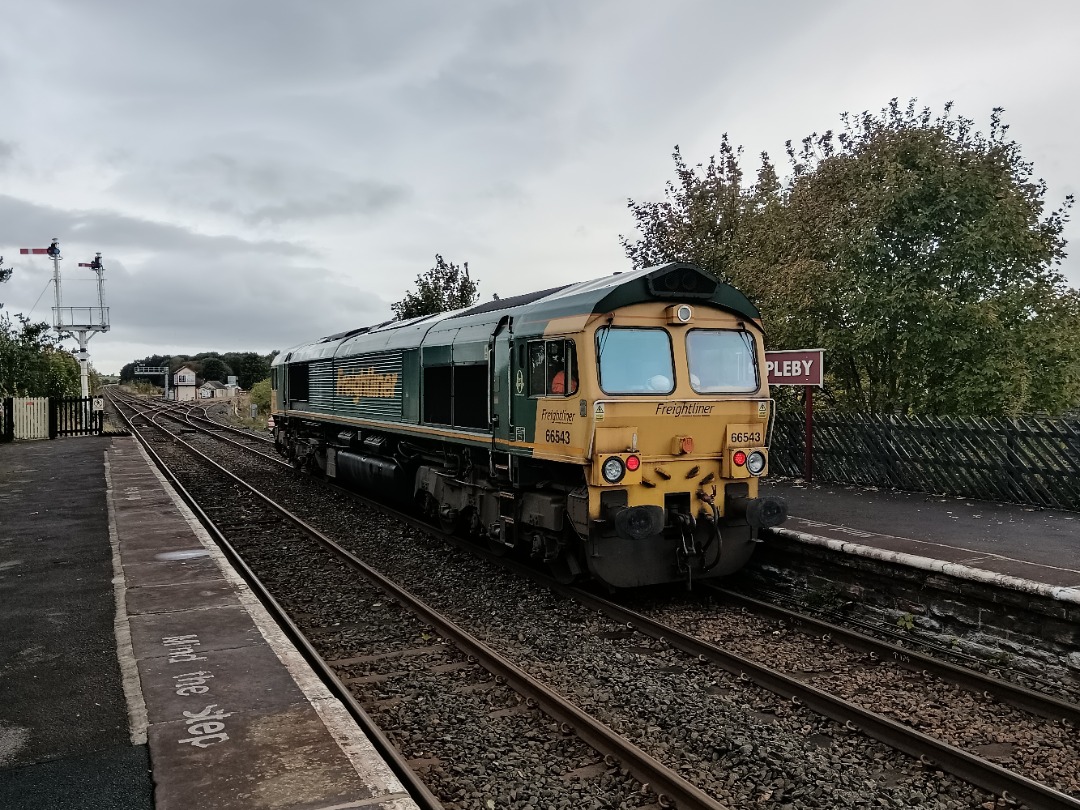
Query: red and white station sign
801	367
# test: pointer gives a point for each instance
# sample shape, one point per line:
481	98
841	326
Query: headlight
613	470
755	462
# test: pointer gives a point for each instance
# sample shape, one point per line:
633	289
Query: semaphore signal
81	323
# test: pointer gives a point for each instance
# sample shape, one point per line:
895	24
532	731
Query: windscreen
635	361
721	361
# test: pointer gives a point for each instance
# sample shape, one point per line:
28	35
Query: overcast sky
258	173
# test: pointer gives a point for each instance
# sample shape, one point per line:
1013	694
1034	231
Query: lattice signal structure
80	323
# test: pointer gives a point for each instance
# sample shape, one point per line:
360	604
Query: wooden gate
76	416
30	417
7	422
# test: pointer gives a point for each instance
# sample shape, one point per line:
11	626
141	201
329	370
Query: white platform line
125	653
366	761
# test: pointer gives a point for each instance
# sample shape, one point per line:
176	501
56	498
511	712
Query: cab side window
552	368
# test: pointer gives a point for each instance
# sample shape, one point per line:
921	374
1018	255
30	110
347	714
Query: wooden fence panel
30	416
1031	459
76	416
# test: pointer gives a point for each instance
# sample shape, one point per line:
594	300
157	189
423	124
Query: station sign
798	367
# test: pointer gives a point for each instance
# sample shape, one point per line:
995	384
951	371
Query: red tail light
632	463
739	457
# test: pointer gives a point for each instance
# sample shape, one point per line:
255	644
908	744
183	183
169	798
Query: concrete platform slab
282	763
244	678
167	572
175	550
175	598
205	630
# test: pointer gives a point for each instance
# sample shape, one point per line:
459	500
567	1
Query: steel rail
928	750
1027	699
249	434
656	778
216	434
415	786
960	763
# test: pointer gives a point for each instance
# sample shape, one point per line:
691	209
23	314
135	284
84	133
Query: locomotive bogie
602	428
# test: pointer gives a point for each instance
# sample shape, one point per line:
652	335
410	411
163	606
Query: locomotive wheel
452	521
498	547
566	568
427	506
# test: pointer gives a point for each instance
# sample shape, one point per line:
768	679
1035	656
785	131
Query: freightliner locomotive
614	429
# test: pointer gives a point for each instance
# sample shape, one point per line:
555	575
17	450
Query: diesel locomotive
615	429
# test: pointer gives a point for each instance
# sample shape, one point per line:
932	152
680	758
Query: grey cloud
479	87
355	198
261	192
7	152
109	230
219	49
218	304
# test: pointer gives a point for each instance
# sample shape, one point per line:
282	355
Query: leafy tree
213	368
918	252
32	364
706	217
446	286
933	259
260	395
249	367
127	373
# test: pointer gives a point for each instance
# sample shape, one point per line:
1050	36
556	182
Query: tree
706	218
31	362
260	395
933	261
916	251
213	368
249	367
444	287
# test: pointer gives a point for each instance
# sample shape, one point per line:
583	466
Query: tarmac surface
1024	542
137	670
64	734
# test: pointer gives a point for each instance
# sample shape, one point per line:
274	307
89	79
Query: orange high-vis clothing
558	384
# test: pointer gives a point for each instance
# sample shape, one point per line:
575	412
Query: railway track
414	641
716	729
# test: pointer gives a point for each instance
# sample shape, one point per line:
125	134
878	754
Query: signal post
80	323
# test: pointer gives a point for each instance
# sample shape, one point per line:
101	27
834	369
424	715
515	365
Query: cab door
500	373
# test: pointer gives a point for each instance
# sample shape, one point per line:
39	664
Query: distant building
212	388
184	384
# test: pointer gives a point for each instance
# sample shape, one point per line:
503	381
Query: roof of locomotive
676	281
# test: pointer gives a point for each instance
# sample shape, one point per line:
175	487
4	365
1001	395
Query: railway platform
137	670
1023	547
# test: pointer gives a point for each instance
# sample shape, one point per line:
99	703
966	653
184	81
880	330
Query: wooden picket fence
1029	460
45	418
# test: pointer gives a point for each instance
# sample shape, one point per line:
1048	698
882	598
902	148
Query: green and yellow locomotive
615	428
